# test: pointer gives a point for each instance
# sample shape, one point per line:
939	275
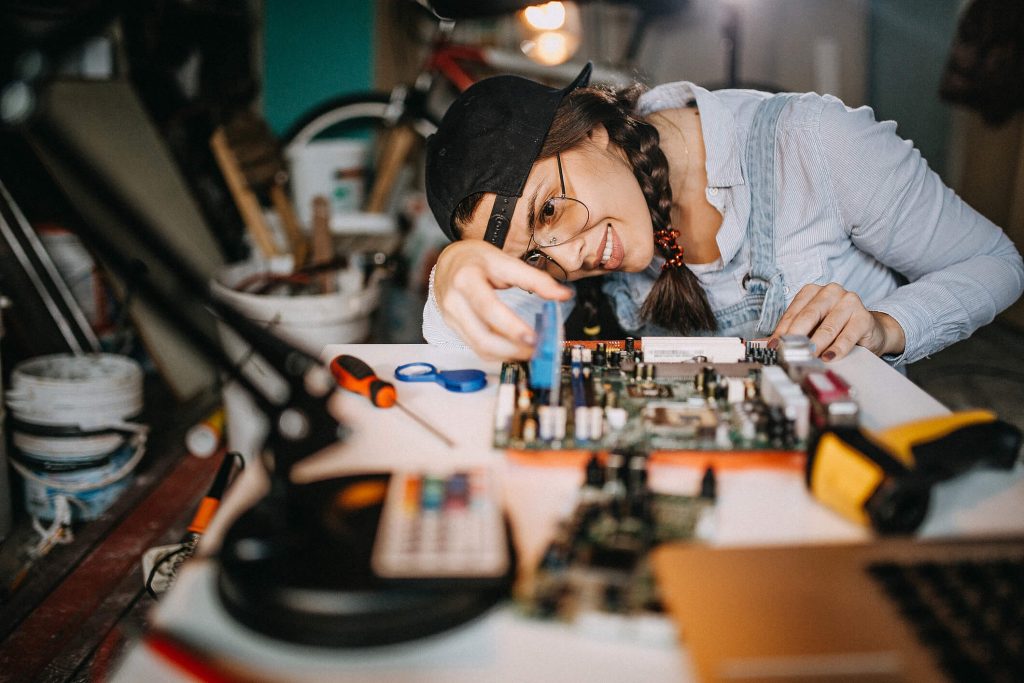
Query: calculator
442	525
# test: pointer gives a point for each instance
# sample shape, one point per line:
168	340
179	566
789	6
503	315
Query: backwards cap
487	142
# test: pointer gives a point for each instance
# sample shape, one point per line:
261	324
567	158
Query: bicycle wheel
395	149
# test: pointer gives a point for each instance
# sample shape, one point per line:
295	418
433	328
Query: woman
734	213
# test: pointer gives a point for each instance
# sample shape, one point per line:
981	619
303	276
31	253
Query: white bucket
334	169
309	322
70	449
91	490
362	223
89	391
71	420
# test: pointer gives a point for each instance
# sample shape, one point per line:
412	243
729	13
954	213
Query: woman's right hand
465	279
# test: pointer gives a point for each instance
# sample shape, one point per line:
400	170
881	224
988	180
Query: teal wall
910	42
313	49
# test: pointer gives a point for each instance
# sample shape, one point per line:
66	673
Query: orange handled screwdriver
356	376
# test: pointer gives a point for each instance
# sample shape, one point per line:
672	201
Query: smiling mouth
612	252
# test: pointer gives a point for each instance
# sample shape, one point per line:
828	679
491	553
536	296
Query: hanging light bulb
551	31
547	17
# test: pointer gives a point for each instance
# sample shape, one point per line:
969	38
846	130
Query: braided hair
676	301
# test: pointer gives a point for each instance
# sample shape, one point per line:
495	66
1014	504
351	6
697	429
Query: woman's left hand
835	319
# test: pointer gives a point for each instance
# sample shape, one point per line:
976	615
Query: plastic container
309	322
71	449
89	391
72	430
90	489
334	169
362	223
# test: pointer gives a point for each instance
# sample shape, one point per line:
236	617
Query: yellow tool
884	478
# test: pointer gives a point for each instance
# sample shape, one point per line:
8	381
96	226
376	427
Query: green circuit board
607	402
598	558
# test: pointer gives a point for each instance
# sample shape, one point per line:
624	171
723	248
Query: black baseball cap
487	142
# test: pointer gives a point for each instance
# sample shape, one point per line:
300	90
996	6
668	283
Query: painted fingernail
773	342
828	355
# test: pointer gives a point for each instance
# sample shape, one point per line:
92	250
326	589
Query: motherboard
667	394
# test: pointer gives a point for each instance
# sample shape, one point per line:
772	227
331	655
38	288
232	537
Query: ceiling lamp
551	31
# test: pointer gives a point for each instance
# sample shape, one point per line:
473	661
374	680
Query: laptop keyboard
969	613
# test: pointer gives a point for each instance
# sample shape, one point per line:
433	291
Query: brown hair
676	301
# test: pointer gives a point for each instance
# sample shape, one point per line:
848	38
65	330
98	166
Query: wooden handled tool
245	199
394	151
323	244
247	149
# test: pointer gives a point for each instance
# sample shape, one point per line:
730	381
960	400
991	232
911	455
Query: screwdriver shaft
426	425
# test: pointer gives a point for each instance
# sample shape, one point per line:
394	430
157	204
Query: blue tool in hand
460	381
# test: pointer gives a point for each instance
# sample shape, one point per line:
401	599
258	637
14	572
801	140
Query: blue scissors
460	381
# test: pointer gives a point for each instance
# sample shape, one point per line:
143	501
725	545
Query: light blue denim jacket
855	204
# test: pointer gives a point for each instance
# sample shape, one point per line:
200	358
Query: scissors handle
402	372
462	381
459	381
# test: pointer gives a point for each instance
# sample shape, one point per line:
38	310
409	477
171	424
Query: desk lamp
296	565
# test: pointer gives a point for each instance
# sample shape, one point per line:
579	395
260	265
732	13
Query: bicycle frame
408	116
446	58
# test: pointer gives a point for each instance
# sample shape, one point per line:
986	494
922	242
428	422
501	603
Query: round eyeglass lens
542	261
560	220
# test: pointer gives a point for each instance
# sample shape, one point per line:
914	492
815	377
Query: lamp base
301	572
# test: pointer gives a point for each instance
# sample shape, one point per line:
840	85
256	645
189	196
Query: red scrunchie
666	239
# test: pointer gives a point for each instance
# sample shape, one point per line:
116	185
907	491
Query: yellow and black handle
884	478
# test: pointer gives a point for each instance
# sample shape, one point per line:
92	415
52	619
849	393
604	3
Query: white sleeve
437	332
435	329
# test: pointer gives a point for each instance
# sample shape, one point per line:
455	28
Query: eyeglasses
561	219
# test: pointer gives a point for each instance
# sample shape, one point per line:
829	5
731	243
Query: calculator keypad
438	525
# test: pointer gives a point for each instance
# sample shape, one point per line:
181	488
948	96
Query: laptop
890	610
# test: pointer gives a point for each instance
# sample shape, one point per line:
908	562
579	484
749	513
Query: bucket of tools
309	309
73	429
298	307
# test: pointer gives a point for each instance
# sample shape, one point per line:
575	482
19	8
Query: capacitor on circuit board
596	428
546	422
505	408
560	421
581	423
